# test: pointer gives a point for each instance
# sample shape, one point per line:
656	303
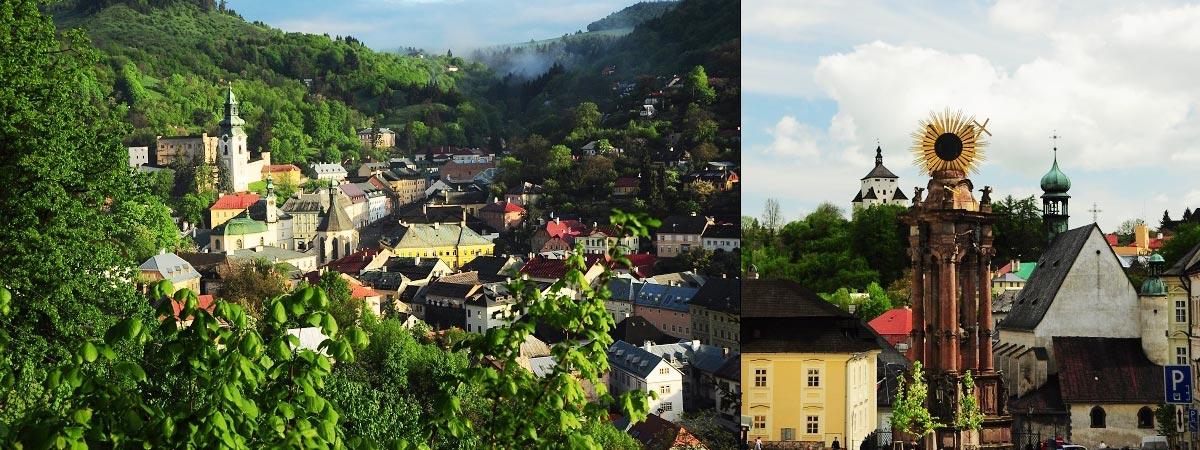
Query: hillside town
1073	347
423	240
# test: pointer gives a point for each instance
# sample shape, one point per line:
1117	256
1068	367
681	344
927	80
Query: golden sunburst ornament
949	141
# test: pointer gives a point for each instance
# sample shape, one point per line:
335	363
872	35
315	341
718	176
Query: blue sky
435	25
824	80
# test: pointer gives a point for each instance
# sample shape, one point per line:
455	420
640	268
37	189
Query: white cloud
792	139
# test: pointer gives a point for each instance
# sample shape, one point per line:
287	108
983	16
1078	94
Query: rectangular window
760	377
1180	311
666	406
1181	355
664	371
814	377
787	434
812	425
664	389
760	421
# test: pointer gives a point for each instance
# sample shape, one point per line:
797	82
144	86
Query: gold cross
983	127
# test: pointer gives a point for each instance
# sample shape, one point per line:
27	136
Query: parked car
1073	447
1154	443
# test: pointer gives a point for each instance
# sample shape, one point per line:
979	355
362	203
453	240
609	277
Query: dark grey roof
624	289
723	231
1042	286
785	299
458	285
413	268
720	294
305	203
335	219
633	359
683	224
870	194
674	298
1188	263
1003	302
388	281
780	316
486	265
899	195
638	329
732	369
857	197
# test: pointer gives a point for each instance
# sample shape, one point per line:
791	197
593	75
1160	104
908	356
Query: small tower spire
878	154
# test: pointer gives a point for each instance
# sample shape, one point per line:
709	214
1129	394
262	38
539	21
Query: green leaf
131	369
278	314
82	416
89	352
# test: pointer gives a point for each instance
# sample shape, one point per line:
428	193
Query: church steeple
1055	185
878	156
231	124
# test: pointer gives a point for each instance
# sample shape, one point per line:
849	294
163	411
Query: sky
434	25
826	81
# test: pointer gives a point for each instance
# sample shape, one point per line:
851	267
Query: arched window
1098	417
239	245
1145	417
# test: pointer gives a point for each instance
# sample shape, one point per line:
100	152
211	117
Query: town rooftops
435	235
235	201
459	285
894	325
638	329
684	225
633	359
329	169
664	296
503	207
723	231
354	262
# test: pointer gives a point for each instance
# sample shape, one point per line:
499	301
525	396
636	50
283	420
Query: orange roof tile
236	201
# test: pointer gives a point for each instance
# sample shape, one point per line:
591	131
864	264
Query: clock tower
231	146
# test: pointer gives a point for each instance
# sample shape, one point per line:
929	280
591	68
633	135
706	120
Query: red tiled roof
235	201
506	207
360	291
628	182
1111	238
354	262
281	168
894	325
568	227
545	268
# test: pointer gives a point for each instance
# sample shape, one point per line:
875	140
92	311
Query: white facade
722	243
377	206
139	156
329	171
483	317
637	369
598	243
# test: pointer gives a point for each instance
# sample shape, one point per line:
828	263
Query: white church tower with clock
233	151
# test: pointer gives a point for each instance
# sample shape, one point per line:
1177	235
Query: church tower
272	212
950	245
336	235
1055	185
232	147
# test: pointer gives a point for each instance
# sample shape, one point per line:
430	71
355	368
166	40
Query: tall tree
1165	223
696	83
62	166
878	236
1183	238
772	218
1018	230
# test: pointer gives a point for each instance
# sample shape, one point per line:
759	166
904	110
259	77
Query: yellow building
808	368
454	244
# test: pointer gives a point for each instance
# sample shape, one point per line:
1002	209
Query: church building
880	186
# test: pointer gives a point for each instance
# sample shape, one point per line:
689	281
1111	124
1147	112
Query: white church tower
880	186
232	147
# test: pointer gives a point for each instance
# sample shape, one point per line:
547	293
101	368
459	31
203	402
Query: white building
329	171
727	237
489	308
880	186
634	368
139	156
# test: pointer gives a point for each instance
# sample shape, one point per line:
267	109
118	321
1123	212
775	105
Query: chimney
1016	265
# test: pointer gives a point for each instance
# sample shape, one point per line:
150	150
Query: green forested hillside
302	94
632	16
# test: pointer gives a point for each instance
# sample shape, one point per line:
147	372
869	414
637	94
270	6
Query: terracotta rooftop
235	201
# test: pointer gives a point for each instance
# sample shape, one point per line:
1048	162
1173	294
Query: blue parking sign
1193	420
1177	382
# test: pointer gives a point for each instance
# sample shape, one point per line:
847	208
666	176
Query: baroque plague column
950	243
